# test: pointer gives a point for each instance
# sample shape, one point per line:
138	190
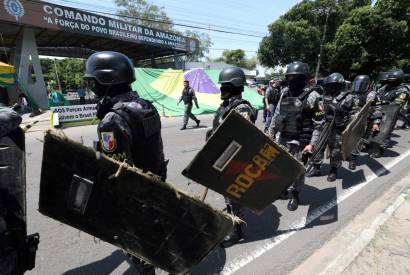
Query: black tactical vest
295	118
145	124
224	110
187	95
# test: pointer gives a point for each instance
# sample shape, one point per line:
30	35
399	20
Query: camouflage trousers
335	145
188	114
297	152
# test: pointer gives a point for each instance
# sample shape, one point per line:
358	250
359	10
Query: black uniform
298	120
17	250
393	92
232	85
130	127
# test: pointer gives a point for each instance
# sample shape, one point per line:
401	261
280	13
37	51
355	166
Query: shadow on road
317	199
106	265
260	227
213	264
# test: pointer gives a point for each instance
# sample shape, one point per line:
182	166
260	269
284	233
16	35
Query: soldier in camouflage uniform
393	92
232	82
298	121
188	96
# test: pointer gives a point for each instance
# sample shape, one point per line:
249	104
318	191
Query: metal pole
58	79
321	45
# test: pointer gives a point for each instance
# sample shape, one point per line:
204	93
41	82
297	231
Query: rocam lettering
252	171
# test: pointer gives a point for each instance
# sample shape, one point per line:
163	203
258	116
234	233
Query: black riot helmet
361	84
297	77
232	80
395	76
334	83
107	69
297	68
383	76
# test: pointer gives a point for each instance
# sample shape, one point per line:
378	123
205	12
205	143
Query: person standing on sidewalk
271	99
188	95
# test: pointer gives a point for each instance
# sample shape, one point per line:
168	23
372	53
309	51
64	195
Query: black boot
183	127
197	123
352	164
293	203
378	154
234	237
315	171
332	174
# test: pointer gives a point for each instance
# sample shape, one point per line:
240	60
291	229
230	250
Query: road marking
341	262
201	128
242	260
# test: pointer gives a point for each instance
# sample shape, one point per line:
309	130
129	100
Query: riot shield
127	208
242	163
18	251
355	131
390	113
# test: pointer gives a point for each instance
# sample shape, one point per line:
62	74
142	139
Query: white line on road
242	260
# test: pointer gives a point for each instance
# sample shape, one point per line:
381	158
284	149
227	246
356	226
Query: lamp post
328	10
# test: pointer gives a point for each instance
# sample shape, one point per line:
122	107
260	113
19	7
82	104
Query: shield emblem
242	163
108	141
355	131
121	205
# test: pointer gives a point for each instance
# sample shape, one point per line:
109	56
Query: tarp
164	88
6	75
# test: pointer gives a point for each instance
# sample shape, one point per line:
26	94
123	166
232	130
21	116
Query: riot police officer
232	82
360	93
340	106
298	120
130	127
393	92
188	96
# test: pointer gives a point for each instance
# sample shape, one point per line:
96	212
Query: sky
241	16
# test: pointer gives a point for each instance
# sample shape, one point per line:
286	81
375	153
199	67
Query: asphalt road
275	242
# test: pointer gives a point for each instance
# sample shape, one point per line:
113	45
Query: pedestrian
271	99
130	127
81	94
188	96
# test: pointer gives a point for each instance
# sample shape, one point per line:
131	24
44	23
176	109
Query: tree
297	35
205	43
234	57
371	39
147	14
237	58
143	13
70	72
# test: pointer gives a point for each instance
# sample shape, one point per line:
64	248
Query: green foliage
144	13
147	14
237	58
70	72
371	39
359	38
204	45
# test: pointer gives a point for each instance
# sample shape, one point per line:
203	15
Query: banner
50	16
74	115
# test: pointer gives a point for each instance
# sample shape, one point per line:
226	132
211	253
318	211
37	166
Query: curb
338	253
